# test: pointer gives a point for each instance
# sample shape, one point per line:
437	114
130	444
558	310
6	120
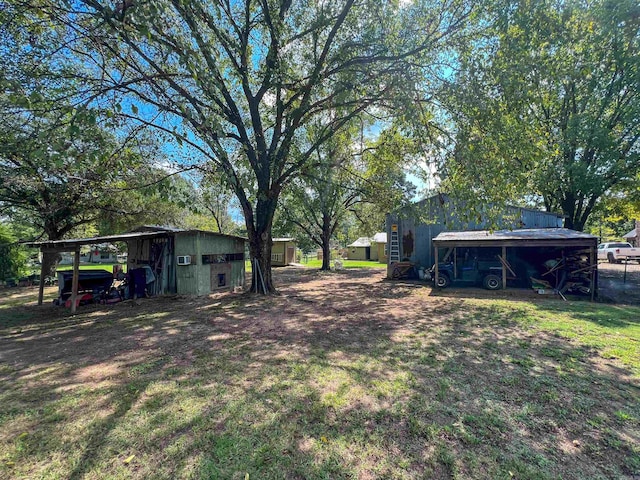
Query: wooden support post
504	268
455	262
41	285
594	273
74	282
436	279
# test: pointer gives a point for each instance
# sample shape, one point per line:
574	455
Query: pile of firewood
568	274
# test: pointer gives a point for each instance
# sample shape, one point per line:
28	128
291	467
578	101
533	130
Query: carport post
41	285
436	279
504	268
74	282
455	262
594	271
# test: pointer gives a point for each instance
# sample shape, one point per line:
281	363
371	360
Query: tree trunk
326	253
260	244
569	222
260	252
326	242
50	263
50	260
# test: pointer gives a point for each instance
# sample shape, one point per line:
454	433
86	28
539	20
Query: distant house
283	252
360	249
633	237
100	253
379	247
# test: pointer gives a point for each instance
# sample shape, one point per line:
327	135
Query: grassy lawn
315	263
341	376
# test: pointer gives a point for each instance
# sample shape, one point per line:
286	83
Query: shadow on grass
351	379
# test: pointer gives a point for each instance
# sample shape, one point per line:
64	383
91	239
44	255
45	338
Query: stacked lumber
567	274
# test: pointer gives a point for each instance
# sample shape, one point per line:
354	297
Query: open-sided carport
170	260
74	246
557	241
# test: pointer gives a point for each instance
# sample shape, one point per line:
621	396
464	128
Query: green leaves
547	107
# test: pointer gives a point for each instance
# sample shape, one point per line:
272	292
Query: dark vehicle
485	272
91	283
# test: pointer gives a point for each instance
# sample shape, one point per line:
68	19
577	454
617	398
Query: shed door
291	253
220	276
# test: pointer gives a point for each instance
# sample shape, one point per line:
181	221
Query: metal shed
283	252
190	262
570	243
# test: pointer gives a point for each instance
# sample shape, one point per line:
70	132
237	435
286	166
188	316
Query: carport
74	245
570	243
170	260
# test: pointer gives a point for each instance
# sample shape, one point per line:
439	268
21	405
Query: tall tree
59	162
318	200
61	172
215	199
245	78
547	104
350	179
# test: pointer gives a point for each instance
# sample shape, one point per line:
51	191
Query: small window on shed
222	280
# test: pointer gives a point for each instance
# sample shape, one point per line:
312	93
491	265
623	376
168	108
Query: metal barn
410	233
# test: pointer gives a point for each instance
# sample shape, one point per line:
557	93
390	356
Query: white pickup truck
616	252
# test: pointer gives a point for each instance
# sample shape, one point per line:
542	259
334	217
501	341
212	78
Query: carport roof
73	244
526	237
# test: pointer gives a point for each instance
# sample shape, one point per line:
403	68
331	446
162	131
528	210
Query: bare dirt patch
615	287
341	375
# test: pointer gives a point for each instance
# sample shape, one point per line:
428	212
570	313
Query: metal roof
522	237
170	229
632	234
361	242
74	243
443	198
380	237
284	239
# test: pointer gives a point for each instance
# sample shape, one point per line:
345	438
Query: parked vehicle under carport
549	260
474	271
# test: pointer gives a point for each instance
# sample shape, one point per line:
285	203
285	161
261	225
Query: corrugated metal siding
438	214
533	219
141	252
195	279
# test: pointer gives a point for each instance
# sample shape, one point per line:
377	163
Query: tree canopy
546	105
240	81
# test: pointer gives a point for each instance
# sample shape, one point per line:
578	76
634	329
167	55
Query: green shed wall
195	279
357	253
281	249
